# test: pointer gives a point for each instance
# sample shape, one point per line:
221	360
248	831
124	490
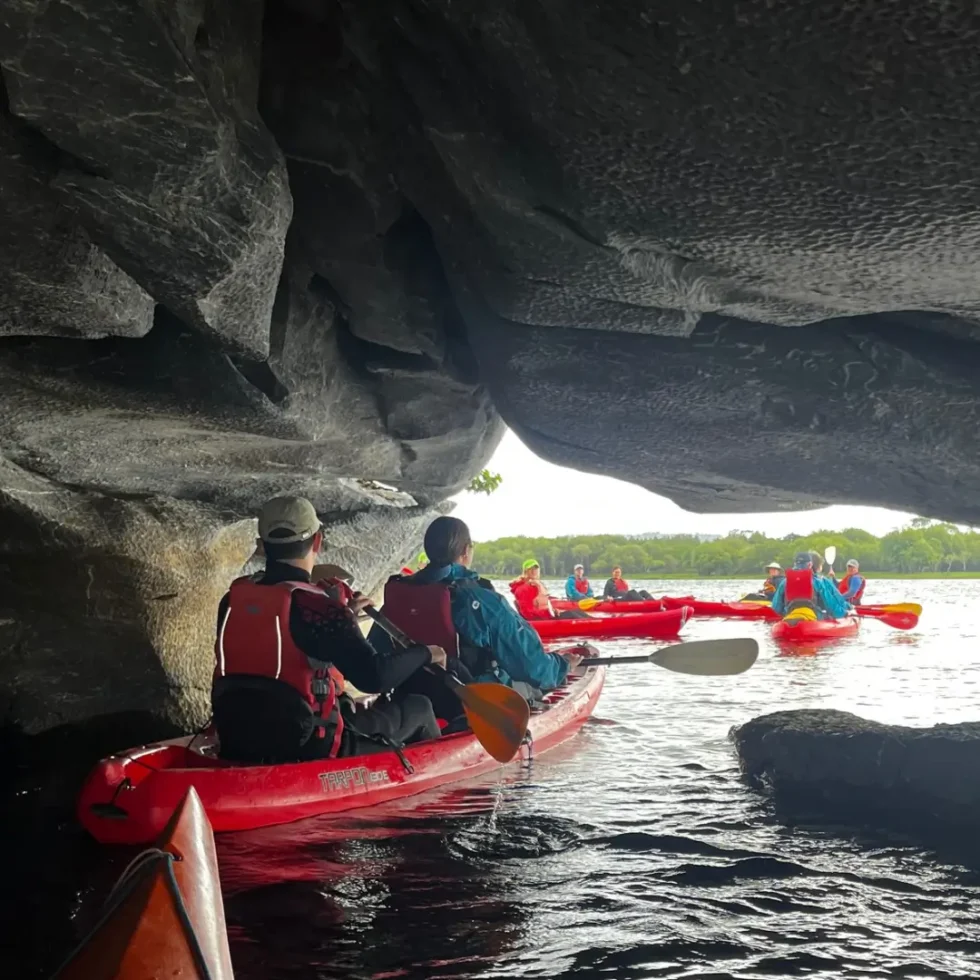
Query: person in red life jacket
852	585
804	586
577	586
532	599
618	588
531	594
284	647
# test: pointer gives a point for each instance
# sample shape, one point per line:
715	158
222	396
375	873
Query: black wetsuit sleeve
222	612
609	592
327	631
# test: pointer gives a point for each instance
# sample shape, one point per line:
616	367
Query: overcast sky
540	499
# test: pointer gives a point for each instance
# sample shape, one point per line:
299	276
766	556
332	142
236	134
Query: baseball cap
803	560
775	564
577	567
530	563
853	563
286	520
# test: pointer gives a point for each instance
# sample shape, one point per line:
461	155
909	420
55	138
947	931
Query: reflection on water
634	850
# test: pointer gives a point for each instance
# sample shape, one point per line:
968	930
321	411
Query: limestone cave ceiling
725	250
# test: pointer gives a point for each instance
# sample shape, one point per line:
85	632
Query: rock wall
864	771
323	246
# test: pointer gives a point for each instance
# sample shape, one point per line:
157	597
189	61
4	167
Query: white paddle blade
321	572
710	658
830	555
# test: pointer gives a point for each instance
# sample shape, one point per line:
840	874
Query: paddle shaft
603	661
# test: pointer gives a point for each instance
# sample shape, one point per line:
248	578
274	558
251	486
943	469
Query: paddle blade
709	657
586	604
896	607
498	716
899	621
830	555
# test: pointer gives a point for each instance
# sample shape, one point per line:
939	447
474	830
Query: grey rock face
853	767
253	248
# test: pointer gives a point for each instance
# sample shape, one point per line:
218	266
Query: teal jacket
485	619
572	593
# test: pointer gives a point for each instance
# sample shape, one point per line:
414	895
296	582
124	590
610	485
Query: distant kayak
654	625
806	630
700	607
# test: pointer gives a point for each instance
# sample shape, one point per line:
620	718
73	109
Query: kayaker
531	594
495	642
577	586
803	587
774	575
532	599
852	585
284	648
618	588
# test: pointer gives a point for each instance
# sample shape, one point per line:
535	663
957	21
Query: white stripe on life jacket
278	648
221	641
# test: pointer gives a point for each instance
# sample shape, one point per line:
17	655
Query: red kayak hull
655	625
724	610
146	783
808	630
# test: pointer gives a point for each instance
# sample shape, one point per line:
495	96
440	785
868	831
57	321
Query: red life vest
525	593
581	585
254	640
621	585
845	584
799	586
423	612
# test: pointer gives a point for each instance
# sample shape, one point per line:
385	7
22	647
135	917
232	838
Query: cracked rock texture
325	247
857	769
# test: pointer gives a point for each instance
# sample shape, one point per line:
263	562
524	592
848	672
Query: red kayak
700	607
656	625
808	630
128	798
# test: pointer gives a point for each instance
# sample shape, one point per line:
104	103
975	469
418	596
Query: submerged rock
855	768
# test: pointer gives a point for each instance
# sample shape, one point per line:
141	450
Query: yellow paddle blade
901	607
586	604
498	716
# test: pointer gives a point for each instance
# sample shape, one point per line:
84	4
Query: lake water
635	850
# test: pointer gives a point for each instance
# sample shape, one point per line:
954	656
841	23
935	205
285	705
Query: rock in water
860	769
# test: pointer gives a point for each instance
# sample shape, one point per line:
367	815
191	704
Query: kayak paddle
497	714
899	620
830	556
709	658
586	604
912	608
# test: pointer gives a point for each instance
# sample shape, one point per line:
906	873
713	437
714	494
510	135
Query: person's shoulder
317	601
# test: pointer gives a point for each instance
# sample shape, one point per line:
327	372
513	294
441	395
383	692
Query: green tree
485	482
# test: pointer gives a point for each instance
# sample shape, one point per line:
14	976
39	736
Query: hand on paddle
438	656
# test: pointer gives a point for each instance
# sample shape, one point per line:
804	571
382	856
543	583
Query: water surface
635	850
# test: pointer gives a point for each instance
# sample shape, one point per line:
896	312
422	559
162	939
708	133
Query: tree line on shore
922	546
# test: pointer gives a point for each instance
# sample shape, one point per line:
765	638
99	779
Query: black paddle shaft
602	661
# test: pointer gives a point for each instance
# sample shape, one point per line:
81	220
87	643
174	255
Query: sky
540	499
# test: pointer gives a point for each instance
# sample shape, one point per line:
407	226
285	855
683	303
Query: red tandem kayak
128	798
656	625
807	630
701	607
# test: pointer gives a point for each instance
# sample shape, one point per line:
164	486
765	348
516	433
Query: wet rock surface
323	247
857	769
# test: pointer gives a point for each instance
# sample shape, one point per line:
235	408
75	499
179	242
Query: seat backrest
424	612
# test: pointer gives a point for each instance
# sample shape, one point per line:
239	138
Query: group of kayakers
287	647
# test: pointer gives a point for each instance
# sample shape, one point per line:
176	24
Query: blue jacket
485	619
572	593
832	605
854	586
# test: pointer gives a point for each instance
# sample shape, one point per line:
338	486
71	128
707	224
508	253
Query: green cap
530	563
286	520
